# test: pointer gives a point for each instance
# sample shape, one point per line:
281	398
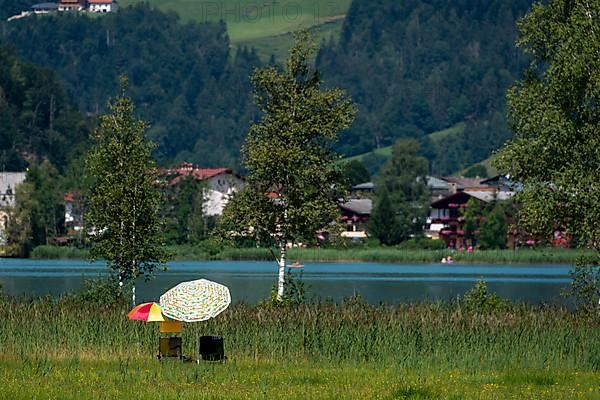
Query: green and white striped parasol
194	301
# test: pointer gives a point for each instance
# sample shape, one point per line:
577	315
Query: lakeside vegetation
68	347
207	251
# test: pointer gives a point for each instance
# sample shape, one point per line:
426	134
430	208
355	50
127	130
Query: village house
222	183
71	5
8	184
102	6
355	217
445	219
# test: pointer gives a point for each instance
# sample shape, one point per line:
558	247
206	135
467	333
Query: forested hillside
413	67
416	67
36	118
183	79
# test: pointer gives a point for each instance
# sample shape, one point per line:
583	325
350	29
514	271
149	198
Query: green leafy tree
472	215
554	113
291	187
356	173
19	236
47	217
384	224
493	229
403	179
124	200
185	222
476	171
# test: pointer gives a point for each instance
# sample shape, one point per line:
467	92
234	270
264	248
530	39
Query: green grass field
249	20
435	136
72	350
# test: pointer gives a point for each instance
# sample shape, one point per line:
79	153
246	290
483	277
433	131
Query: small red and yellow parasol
149	312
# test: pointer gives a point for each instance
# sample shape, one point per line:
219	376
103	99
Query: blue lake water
251	281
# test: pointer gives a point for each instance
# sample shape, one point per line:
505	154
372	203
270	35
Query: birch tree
292	181
124	201
554	112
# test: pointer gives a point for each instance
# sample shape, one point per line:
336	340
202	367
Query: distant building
72	5
445	214
8	184
44	8
222	183
102	6
362	190
355	217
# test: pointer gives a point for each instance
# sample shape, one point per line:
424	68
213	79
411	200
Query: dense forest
37	121
183	79
415	67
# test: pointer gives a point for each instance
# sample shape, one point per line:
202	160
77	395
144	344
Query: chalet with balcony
355	217
445	215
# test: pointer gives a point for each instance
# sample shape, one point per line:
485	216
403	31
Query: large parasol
194	301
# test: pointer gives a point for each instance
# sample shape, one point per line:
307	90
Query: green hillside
249	21
436	137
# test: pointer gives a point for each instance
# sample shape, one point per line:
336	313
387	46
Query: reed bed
48	252
356	254
70	349
395	255
416	335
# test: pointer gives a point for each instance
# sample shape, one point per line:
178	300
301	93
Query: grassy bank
356	254
353	350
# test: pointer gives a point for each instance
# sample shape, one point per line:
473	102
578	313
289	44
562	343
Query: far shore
351	254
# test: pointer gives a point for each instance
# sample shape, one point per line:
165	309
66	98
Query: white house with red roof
222	183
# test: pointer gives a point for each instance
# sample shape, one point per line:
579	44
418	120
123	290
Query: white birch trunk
281	280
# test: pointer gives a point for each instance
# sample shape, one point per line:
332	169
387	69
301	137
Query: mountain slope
183	79
422	66
36	118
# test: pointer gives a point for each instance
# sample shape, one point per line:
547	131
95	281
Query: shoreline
349	255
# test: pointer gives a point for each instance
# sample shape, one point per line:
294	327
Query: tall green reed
411	335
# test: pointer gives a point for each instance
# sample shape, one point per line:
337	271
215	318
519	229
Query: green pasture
66	349
435	136
249	20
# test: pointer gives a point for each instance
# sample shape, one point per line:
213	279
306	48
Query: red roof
200	174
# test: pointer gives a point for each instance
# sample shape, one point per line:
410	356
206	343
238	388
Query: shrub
585	284
102	291
481	300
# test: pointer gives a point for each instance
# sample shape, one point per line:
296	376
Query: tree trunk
281	280
134	271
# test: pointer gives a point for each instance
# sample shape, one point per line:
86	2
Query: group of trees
37	121
415	67
411	67
402	196
194	93
487	224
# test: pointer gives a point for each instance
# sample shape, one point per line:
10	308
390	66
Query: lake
251	281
